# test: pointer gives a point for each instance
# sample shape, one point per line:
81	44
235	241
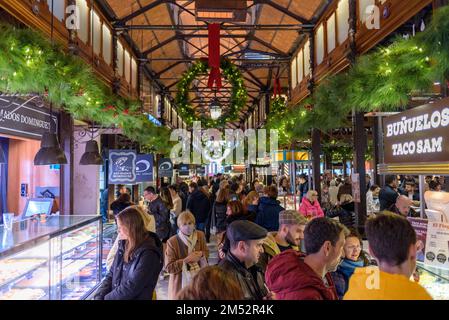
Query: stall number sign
122	166
144	168
437	245
165	168
418	135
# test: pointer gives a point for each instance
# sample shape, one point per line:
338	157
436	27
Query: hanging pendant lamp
92	154
50	151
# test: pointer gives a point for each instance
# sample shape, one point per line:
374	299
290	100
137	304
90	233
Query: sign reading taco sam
418	135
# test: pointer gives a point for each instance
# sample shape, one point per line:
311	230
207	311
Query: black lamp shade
2	156
92	155
50	151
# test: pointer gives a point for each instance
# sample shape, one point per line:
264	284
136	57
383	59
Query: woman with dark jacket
236	212
269	208
219	208
345	211
251	204
137	264
122	202
354	257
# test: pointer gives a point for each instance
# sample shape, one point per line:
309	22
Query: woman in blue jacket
269	208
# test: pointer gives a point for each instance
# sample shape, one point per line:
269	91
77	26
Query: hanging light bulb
215	109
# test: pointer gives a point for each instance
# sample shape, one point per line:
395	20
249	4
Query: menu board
437	245
420	225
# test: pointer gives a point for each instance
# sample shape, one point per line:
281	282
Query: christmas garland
30	64
383	80
239	94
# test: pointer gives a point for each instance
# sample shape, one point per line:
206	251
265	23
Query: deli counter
57	258
434	280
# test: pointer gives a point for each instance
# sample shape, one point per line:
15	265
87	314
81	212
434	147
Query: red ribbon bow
214	55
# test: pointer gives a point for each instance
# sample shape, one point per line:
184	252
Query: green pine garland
29	63
239	94
383	80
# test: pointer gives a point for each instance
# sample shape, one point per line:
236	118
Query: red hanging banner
276	87
214	55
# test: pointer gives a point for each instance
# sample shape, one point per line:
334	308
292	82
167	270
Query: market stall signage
201	171
420	226
437	245
24	119
144	168
184	170
165	168
122	166
418	135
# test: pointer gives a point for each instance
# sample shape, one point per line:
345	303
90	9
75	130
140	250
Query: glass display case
289	201
57	258
434	280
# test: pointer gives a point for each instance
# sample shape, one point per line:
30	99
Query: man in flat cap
245	246
289	236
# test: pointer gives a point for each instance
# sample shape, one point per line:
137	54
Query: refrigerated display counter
434	280
57	258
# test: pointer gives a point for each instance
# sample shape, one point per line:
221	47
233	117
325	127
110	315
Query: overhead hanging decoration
239	94
214	55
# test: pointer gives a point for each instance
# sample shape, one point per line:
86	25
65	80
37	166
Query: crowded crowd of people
265	251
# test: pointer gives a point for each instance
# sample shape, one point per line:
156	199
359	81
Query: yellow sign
286	155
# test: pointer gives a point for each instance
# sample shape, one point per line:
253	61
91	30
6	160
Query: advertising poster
420	225
165	168
122	166
437	245
144	168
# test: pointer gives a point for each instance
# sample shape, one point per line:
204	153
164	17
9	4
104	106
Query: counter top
32	231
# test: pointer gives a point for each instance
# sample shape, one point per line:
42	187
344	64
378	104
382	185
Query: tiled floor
162	285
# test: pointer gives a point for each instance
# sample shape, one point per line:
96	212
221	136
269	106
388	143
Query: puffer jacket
290	278
268	213
135	280
251	280
345	214
308	209
219	211
162	216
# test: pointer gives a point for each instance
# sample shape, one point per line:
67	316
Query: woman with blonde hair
185	255
251	205
310	207
137	264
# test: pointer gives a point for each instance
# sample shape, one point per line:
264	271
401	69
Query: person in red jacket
292	275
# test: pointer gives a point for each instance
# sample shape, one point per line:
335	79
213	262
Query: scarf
190	242
347	267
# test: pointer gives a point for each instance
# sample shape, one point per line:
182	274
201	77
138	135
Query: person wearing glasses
310	207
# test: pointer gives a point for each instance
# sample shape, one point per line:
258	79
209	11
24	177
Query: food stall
291	168
416	142
51	258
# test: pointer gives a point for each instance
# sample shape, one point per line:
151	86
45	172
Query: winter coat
135	280
199	204
251	210
161	214
174	256
345	214
387	197
251	280
308	209
344	189
219	211
290	278
303	189
270	249
268	213
343	273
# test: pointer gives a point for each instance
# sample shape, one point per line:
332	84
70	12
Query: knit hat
289	217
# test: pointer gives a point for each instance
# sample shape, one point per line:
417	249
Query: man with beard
289	236
293	275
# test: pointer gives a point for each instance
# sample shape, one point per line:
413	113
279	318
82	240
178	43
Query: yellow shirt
370	283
